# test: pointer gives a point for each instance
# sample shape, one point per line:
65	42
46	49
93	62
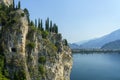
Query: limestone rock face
31	57
13	41
7	2
61	68
58	65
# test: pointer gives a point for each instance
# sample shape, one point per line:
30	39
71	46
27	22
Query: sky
77	20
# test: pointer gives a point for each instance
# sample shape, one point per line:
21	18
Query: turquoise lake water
96	66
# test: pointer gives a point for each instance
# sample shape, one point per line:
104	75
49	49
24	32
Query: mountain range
112	45
99	42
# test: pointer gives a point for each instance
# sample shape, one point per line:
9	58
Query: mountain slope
81	42
112	45
74	46
98	43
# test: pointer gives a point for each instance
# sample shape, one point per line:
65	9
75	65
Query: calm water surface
96	66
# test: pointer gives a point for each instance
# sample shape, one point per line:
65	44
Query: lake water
96	66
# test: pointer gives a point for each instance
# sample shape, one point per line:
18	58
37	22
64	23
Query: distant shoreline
94	50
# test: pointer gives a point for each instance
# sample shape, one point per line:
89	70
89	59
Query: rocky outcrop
6	2
29	56
13	43
58	59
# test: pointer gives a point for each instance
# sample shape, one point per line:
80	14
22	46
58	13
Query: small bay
96	66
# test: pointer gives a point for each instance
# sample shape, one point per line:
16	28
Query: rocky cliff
6	2
29	54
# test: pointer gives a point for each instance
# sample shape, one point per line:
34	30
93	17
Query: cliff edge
31	53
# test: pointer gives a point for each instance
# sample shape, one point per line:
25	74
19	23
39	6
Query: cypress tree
39	24
65	42
35	22
27	14
19	5
47	24
16	7
55	28
50	26
13	4
32	23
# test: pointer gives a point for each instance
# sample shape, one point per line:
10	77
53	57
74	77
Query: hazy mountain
81	42
74	46
99	42
112	45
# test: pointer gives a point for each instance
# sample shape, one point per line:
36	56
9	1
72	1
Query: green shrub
41	69
58	45
50	47
13	21
59	36
20	75
44	34
3	72
31	45
42	59
65	42
22	14
2	77
33	29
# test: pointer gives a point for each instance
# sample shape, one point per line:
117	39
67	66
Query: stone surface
21	58
7	2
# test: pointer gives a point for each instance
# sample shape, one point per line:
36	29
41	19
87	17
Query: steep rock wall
58	63
13	43
29	56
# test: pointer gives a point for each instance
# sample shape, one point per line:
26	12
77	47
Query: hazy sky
78	19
